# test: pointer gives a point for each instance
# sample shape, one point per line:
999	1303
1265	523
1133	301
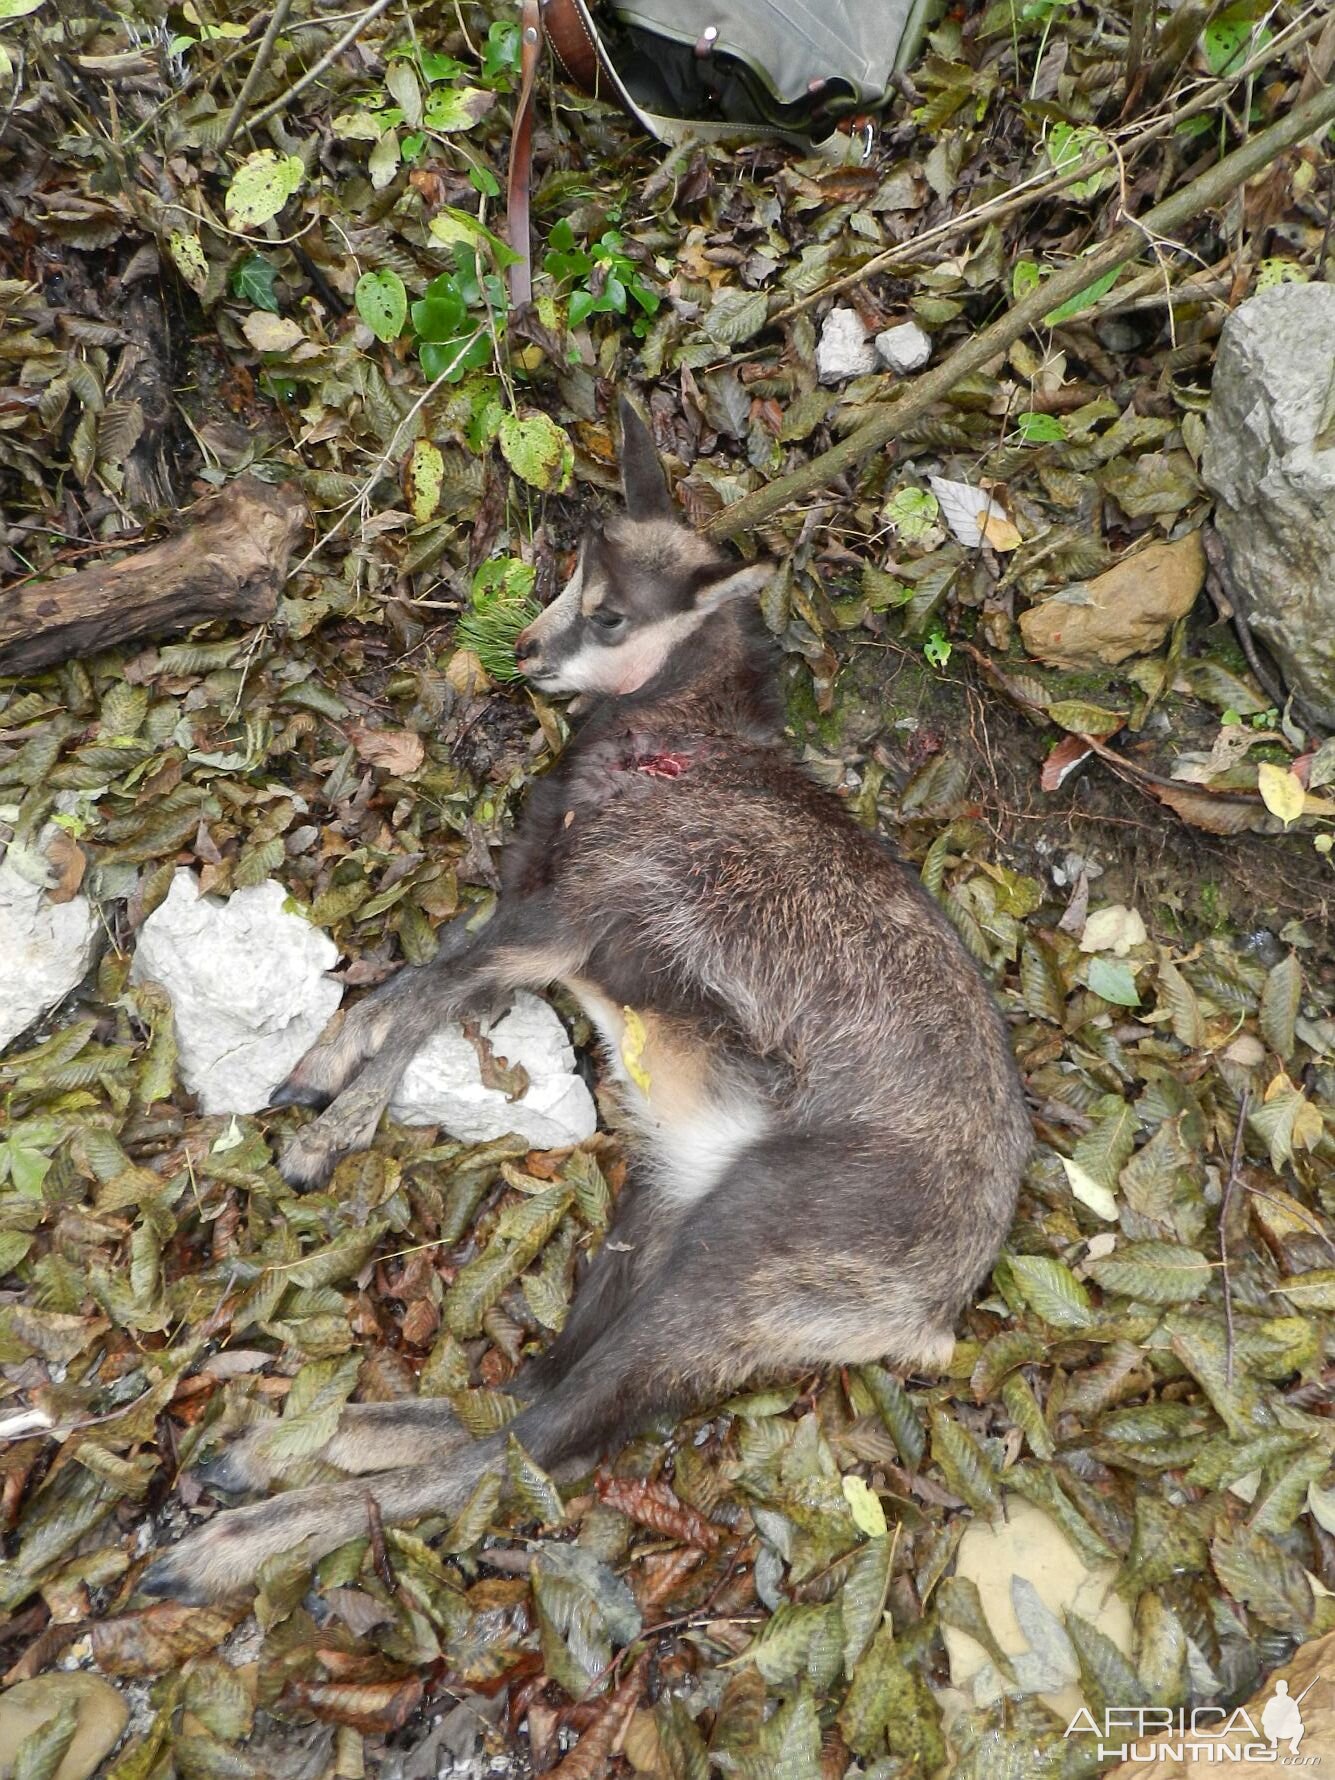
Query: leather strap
574	44
520	275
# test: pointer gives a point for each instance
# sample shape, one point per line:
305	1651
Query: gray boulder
1270	460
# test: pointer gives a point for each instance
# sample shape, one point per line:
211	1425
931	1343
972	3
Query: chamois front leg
355	1034
524	946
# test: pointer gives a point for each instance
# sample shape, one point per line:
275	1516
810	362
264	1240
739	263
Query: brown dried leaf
160	1638
656	1506
398	751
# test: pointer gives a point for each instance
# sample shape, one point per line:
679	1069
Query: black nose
525	647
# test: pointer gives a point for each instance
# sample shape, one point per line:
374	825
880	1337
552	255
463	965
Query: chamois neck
722	680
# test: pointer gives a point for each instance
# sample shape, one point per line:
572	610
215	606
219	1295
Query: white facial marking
623	667
563	611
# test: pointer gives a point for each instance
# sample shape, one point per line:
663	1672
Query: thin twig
1124	768
257	67
363	491
318	67
1230	1187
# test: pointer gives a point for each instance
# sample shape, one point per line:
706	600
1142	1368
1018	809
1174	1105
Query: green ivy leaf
253	281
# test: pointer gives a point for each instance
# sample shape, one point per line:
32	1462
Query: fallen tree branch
916	399
229	562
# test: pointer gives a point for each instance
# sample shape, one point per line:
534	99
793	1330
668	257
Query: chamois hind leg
629	1373
806	1255
674	1340
630	1254
370	1437
384	1436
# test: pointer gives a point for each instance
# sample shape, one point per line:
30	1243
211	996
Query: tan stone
101	1715
1125	611
1029	1543
1312	1662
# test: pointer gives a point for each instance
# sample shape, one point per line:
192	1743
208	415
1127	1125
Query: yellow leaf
271	333
1281	791
422	480
633	1040
999	532
865	1506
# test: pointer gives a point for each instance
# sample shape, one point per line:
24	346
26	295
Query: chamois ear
739	584
642	475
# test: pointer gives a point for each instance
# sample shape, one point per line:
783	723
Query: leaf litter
773	1589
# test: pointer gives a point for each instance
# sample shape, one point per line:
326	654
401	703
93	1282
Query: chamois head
642	585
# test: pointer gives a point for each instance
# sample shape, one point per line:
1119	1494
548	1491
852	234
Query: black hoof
166	1580
221	1475
294	1094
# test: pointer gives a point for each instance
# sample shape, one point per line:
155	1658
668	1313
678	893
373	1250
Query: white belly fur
692	1135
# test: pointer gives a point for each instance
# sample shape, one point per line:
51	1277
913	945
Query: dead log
229	562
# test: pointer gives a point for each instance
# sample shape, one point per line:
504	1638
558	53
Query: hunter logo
1203	1733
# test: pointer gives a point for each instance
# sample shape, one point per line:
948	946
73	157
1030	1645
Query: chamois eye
608	621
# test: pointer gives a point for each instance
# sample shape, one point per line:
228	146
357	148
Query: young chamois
831	1129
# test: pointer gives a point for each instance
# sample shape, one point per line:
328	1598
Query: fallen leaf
69	859
373	1708
1281	791
398	751
1125	611
422	479
656	1506
1062	761
160	1638
261	185
1089	1191
864	1505
975	515
271	333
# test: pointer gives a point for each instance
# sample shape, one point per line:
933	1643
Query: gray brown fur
834	1131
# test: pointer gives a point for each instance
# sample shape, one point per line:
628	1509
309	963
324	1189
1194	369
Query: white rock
45	947
443	1083
247	986
904	348
843	350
